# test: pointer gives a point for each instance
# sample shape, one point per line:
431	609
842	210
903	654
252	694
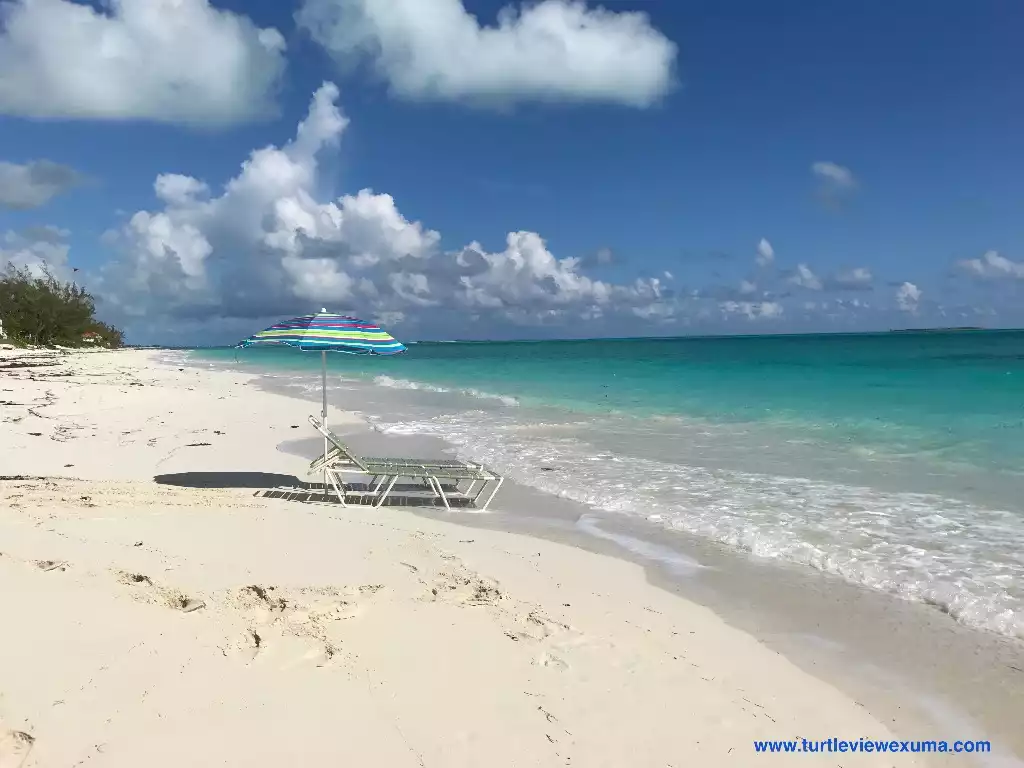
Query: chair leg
375	483
387	490
339	491
479	492
493	494
440	491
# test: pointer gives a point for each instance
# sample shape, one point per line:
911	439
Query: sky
485	169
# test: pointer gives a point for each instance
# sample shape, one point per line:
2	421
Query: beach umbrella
326	332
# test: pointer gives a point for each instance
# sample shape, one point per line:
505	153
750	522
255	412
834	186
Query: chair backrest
336	442
325	460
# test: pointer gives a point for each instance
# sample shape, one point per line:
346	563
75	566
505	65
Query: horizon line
891	331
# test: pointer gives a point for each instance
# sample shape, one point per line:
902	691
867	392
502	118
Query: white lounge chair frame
384	473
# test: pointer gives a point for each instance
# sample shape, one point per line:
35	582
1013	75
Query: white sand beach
154	624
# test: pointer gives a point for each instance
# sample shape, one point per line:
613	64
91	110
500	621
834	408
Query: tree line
45	311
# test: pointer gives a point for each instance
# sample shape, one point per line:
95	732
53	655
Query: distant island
935	330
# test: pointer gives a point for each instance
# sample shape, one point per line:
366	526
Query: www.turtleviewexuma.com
966	746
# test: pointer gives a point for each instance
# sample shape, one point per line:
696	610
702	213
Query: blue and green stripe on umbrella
328	332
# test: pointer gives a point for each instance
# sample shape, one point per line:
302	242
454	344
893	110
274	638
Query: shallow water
892	460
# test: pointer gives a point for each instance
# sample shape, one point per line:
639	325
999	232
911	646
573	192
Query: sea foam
966	560
392	383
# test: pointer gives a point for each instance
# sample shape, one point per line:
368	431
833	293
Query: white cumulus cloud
175	61
40	251
858	278
837	175
765	253
557	50
752	310
908	297
264	246
993	266
803	277
836	183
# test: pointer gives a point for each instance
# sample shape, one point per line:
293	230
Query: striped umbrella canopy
327	332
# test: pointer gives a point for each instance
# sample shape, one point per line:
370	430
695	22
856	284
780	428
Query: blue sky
662	150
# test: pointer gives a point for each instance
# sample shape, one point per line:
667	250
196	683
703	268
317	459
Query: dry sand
148	624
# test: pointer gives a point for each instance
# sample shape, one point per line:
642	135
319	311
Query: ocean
895	461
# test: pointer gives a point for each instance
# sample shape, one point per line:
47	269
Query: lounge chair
384	473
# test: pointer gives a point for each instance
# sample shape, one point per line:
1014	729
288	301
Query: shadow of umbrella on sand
254	480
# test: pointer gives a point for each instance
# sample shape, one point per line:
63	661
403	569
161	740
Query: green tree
45	311
112	337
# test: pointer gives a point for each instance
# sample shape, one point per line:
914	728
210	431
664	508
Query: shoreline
910	665
370	636
948	676
930	519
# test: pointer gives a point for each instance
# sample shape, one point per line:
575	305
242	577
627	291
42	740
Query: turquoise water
893	460
955	396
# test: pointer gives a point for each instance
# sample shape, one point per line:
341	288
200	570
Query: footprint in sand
51	565
540	627
323	615
144	590
260	607
334	604
266	598
553	635
268	605
328	610
297	627
547	659
14	748
320	657
463	588
247	646
274	647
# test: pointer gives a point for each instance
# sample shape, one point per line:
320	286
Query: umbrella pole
323	411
